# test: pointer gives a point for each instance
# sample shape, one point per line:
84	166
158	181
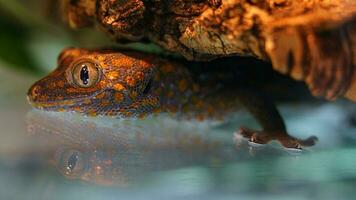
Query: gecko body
132	84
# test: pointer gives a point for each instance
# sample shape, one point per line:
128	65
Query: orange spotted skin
131	84
135	85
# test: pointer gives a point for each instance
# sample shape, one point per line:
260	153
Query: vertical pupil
84	75
72	161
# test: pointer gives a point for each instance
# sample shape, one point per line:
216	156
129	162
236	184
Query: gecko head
99	82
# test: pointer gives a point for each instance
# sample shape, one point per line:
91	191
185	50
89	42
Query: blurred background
28	27
37	149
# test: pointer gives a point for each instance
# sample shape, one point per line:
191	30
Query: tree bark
310	40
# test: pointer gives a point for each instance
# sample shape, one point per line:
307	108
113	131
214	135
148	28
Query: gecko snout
33	93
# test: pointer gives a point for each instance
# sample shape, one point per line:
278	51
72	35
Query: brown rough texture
310	40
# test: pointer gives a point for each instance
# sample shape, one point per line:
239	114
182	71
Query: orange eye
86	74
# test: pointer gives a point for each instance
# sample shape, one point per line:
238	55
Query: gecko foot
264	137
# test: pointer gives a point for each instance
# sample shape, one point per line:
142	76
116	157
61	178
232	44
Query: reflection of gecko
107	151
131	84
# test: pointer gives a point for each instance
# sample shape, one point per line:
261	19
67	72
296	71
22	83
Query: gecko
131	84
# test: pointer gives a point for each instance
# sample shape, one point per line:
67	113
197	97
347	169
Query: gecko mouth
61	105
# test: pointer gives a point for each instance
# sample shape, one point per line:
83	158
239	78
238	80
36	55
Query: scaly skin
131	84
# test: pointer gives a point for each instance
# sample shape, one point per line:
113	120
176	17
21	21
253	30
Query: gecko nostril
34	93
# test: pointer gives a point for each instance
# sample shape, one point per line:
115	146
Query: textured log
311	40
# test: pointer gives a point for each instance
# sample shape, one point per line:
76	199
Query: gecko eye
86	74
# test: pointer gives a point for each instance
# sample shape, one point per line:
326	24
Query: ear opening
148	87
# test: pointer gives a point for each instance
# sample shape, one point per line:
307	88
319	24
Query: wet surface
67	156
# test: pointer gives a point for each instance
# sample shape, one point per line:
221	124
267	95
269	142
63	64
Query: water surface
67	156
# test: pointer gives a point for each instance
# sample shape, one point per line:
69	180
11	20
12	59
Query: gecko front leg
267	115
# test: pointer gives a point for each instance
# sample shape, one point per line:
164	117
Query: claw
293	151
297	146
255	144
